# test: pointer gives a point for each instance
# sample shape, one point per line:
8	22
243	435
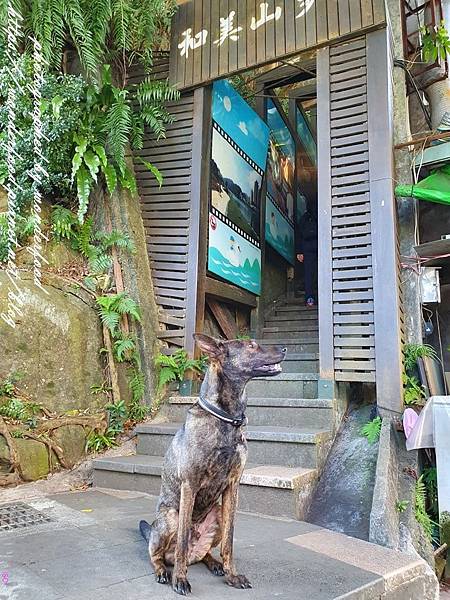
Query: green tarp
434	188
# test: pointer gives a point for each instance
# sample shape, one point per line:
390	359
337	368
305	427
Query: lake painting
232	256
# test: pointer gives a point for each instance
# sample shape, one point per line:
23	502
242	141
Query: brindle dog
204	463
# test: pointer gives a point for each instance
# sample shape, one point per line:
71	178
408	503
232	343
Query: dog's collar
222	415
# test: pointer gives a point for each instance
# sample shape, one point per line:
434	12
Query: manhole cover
19	515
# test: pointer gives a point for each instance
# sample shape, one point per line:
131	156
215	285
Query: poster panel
234	257
279	232
240	141
280	185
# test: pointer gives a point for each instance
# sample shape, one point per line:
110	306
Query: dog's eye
251	345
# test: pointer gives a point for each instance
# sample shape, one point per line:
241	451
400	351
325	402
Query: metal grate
19	515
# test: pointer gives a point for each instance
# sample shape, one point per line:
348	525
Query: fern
115	238
100	31
137	384
420	500
118	125
372	430
124	348
125	305
63	222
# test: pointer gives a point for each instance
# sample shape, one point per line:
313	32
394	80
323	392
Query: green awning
434	188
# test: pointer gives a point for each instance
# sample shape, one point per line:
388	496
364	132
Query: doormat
19	516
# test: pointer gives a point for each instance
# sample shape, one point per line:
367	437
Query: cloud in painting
243	127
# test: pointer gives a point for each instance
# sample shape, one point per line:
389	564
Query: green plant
401	505
137	411
100	31
103	388
117	414
420	500
113	306
113	118
430	480
173	367
17	434
24	227
414	351
8	385
58	125
414	392
100	441
435	42
372	430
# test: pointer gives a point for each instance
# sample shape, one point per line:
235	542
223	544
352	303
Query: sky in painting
240	121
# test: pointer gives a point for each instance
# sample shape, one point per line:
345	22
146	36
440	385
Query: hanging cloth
434	188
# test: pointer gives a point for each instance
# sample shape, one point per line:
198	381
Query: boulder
33	458
54	343
72	440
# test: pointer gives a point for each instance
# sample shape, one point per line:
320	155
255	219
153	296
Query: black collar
222	415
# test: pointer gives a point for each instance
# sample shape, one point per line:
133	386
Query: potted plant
173	368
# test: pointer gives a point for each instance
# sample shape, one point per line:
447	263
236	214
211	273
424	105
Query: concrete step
308	362
293	315
306	344
292	447
285	412
287	385
298	308
267	489
273	333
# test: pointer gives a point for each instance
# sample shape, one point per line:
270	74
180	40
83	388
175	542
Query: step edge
273	480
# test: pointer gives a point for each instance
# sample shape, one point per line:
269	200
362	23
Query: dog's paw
238	581
181	586
216	568
162	576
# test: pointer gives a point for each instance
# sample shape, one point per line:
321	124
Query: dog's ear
208	345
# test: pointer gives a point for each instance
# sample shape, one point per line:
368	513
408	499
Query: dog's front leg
180	583
229	507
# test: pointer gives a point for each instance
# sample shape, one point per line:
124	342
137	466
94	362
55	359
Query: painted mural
232	256
240	140
280	202
279	233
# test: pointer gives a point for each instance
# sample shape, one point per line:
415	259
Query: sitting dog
204	464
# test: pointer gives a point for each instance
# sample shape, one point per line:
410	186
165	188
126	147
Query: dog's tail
145	530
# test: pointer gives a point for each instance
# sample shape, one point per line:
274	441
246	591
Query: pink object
5	577
409	420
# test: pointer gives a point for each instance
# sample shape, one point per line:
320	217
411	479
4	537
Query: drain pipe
439	93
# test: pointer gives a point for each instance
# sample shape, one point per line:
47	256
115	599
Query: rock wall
55	344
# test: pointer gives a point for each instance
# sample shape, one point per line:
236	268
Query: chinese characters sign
212	39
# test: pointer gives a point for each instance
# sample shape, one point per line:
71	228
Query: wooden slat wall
351	238
166	211
297	29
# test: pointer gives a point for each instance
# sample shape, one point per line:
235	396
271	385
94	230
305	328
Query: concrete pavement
92	550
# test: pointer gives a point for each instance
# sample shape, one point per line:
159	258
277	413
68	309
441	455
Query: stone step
298	308
288	385
293	315
273	333
266	489
307	344
268	444
308	362
285	412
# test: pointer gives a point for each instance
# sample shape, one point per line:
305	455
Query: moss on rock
55	344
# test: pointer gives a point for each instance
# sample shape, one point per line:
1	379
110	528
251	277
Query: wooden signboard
215	38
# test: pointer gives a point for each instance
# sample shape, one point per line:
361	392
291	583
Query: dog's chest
223	464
